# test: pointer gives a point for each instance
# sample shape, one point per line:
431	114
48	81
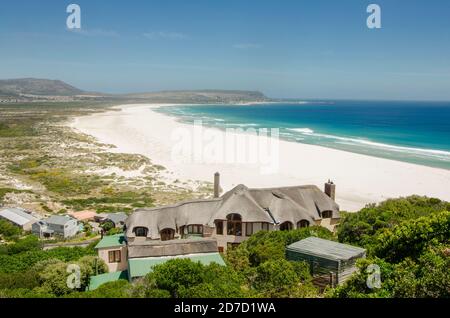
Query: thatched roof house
274	206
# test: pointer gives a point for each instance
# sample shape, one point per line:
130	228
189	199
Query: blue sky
299	49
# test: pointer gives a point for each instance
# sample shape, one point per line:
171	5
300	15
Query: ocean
415	132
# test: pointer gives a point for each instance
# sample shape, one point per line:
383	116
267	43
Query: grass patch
17	129
113	202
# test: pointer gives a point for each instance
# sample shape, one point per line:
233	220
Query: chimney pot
216	185
330	189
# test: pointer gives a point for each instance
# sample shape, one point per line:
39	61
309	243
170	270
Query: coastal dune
360	179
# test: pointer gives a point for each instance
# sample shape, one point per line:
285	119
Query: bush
25	260
9	231
28	243
411	237
117	289
176	274
264	246
280	278
361	228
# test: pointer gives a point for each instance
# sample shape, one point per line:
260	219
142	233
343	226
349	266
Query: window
286	226
234	225
327	214
219	227
140	231
265	226
302	224
114	256
248	229
195	229
167	234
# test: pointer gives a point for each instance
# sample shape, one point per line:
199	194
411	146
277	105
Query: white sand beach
360	179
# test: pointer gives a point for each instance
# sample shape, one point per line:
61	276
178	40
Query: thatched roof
275	205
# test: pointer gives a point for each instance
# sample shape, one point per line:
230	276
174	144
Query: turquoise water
415	132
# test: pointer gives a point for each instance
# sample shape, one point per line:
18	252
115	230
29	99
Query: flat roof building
329	261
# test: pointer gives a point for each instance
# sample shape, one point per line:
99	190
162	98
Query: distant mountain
201	96
33	89
39	87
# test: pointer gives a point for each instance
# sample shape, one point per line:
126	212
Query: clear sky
299	49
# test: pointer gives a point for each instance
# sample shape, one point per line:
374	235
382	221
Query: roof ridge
286	187
176	205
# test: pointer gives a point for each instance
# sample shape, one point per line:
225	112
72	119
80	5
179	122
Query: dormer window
327	214
234	224
140	231
286	226
302	224
167	234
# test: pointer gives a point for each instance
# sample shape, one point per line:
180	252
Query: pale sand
360	179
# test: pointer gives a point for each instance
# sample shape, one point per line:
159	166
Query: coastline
360	179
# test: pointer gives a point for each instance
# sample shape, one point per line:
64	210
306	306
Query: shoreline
360	179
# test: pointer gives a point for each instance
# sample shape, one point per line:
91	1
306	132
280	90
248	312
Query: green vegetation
264	246
16	129
361	228
60	181
411	249
113	201
406	238
9	231
24	254
28	271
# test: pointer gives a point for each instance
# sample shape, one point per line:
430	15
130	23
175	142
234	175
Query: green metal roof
139	267
326	249
111	241
97	281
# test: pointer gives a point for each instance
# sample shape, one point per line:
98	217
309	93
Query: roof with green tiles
111	241
97	281
139	267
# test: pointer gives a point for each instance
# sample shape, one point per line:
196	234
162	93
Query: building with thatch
201	229
236	215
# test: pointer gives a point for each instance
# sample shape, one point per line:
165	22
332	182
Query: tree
217	282
107	226
53	279
279	278
411	237
176	274
264	246
90	266
361	228
118	289
9	231
28	243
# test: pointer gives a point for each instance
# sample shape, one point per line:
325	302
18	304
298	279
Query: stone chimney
330	189
216	184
